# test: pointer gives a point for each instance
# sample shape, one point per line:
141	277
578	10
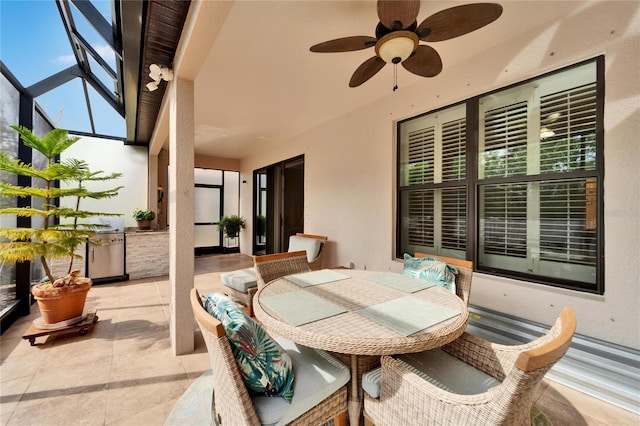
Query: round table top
355	325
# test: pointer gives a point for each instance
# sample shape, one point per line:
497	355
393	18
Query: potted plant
261	225
231	225
59	227
144	218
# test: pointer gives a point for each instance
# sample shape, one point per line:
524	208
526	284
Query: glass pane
419	167
503	220
207	176
546	228
454	145
568	221
417	221
9	140
206	205
231	193
454	219
206	236
260	225
432	147
544	126
568	141
505	141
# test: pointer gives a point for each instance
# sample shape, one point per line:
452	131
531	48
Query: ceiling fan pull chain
395	77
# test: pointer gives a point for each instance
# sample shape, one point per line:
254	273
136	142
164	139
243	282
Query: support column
181	228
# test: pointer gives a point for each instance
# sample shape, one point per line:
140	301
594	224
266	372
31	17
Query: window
433	183
534	180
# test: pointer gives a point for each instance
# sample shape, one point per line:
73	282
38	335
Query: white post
181	228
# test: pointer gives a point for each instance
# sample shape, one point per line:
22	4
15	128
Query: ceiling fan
398	35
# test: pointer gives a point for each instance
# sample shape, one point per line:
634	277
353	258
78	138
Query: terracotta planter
59	304
144	224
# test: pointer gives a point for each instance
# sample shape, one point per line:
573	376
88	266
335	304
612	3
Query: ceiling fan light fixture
397	46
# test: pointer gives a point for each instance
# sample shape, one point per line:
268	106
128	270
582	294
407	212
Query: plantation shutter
505	220
569	117
505	140
421	144
454	218
454	136
420	227
567	208
565	234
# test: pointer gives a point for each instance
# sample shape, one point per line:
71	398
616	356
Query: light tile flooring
123	372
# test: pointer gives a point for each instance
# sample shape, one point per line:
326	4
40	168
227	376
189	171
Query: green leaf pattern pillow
264	366
432	270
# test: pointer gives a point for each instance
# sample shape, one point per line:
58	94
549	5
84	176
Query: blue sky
34	45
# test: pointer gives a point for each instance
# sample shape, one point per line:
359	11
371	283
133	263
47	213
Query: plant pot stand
81	327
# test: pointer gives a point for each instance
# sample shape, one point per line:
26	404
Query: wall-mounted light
157	74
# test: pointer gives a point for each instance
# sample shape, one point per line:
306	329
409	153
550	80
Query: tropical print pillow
432	270
264	366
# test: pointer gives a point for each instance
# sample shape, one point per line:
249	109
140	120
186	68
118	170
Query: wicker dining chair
272	266
469	381
464	276
320	393
241	285
316	263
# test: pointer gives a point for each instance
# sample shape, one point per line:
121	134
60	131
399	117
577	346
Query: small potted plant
231	225
144	218
58	229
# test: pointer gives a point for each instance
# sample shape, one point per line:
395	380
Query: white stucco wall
114	157
350	167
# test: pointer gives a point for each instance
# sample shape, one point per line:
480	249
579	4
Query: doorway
216	194
278	205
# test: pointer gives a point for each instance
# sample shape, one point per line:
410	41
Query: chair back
464	277
551	347
533	361
272	266
231	401
317	263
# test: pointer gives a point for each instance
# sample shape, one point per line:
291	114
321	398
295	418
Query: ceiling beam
132	17
53	81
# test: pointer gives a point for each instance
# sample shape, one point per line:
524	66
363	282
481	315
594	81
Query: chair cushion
448	372
241	280
264	366
371	382
440	369
311	245
431	269
318	375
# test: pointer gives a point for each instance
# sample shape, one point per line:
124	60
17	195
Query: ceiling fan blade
457	21
398	14
425	62
345	44
368	69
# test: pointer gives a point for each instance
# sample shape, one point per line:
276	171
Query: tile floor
123	371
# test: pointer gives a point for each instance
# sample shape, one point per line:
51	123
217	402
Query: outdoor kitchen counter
146	253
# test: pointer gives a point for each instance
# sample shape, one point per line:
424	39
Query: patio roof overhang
150	34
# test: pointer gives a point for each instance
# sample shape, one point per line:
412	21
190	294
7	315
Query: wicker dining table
360	316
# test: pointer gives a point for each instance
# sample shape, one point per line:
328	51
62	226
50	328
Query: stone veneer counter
147	254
